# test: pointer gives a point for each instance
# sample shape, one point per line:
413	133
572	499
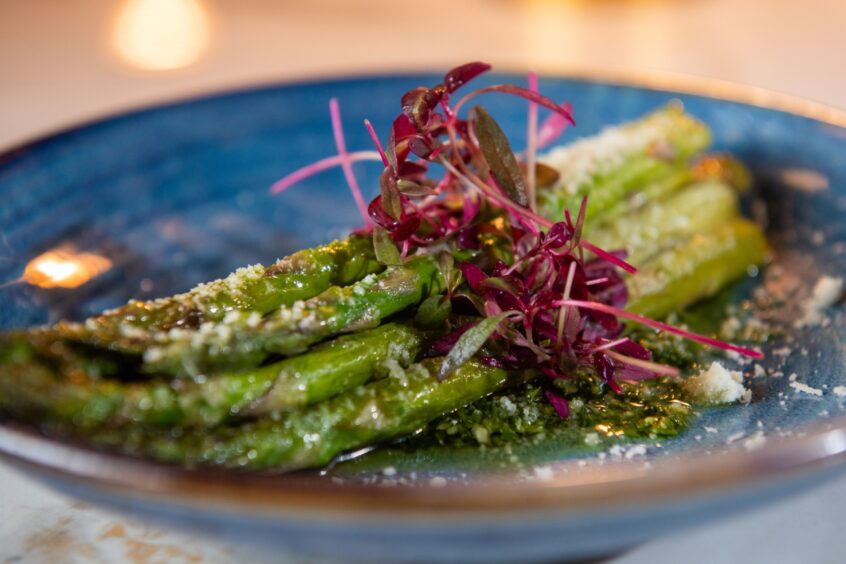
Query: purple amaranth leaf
604	366
554	126
559	404
443	345
418	104
634	350
379	216
461	75
413	170
406	229
515	90
474	275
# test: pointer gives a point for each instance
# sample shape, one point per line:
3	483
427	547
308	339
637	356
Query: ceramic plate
177	194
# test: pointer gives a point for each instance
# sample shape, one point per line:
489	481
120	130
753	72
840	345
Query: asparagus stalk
699	208
383	410
254	289
32	385
621	160
245	340
696	269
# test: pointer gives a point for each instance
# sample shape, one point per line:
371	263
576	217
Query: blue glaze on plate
177	194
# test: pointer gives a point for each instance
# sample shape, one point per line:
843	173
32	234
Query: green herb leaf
385	248
452	276
469	344
391	202
500	157
433	312
411	188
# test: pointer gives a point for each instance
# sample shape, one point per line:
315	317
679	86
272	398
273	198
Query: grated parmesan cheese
716	385
800	387
827	291
578	162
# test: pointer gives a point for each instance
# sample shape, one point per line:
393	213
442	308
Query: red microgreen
376	142
563	311
323	164
532	140
553	126
346	163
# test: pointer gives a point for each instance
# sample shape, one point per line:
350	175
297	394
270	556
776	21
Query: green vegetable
289	366
696	269
256	289
243	341
650	152
34	384
380	411
659	225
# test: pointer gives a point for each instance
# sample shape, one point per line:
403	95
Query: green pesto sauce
518	427
647	410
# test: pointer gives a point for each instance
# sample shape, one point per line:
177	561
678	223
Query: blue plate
177	194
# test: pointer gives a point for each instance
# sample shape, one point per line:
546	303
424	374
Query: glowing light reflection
161	34
62	268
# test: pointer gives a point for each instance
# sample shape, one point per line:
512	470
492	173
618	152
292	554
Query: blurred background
66	61
63	61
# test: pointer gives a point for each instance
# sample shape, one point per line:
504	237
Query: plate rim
611	485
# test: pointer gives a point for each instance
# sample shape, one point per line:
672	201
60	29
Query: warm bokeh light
161	34
64	269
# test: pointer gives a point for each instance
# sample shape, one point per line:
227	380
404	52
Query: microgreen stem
562	312
376	142
323	164
346	163
654	367
609	345
531	142
704	339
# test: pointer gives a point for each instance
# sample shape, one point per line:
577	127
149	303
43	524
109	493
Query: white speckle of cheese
438	482
389	471
591	439
544	473
636	450
253	320
579	161
716	385
734	437
755	441
232	316
805	388
508	405
827	291
839	391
